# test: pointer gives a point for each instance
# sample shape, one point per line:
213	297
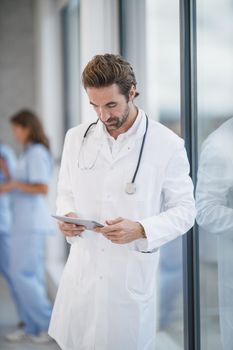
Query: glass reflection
214	142
157	69
214	200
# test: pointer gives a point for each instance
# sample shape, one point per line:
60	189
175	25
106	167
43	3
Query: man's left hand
122	231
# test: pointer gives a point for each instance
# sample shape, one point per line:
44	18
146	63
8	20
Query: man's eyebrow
107	104
111	103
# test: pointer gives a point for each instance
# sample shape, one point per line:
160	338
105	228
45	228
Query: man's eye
112	105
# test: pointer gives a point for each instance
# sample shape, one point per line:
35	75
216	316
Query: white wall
49	103
17	88
48	73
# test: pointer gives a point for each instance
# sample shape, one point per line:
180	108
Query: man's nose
103	115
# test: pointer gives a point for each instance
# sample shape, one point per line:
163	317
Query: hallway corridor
8	320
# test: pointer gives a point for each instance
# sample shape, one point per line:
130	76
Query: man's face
110	105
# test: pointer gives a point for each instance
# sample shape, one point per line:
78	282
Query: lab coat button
101	277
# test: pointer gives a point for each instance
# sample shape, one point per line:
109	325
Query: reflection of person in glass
31	223
214	200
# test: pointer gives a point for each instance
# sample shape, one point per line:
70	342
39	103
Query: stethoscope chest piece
130	188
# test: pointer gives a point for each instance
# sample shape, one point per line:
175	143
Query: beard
115	123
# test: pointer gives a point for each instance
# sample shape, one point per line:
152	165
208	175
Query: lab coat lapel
133	139
100	134
105	150
101	138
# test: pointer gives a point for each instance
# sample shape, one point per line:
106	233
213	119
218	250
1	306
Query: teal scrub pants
28	276
5	248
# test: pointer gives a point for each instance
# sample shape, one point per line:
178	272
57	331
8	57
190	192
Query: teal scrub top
5	198
30	211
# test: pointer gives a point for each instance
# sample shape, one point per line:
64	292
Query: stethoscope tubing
141	149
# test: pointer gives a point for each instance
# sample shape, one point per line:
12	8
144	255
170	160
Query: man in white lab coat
107	294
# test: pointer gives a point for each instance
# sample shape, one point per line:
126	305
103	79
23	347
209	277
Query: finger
72	228
71	233
118	241
74	231
69	226
114	221
115	234
66	226
110	228
97	229
71	215
121	240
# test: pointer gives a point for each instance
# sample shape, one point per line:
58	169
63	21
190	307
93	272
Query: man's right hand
71	230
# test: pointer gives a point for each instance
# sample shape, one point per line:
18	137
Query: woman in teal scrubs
31	224
7	165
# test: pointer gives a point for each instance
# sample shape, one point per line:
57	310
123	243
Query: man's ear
132	93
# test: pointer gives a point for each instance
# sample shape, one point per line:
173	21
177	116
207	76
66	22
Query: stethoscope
130	187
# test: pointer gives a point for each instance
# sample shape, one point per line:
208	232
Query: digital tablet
89	224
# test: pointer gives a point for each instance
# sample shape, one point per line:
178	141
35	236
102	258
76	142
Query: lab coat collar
101	136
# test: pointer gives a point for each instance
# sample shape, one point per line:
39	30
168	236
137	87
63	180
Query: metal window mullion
188	127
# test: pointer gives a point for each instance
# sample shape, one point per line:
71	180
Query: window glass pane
150	41
71	64
214	192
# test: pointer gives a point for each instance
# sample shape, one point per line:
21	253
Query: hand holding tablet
89	224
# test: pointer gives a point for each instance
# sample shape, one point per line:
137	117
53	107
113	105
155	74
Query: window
150	42
214	192
71	64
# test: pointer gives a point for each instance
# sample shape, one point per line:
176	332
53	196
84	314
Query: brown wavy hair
28	119
108	69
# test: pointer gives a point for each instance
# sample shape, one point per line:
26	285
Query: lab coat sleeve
178	212
65	199
214	192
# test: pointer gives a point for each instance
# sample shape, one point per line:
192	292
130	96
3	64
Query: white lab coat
106	299
214	194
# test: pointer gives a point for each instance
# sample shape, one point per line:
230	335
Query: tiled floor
8	320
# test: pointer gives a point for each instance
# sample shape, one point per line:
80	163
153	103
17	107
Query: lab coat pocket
74	265
141	274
